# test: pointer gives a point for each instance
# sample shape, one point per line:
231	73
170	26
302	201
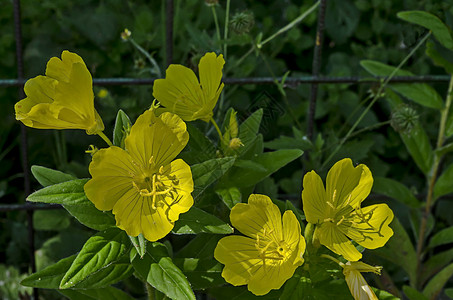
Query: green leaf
139	242
420	93
449	293
270	161
50	220
435	263
437	57
296	288
436	284
230	196
342	19
249	164
413	294
100	251
419	147
110	293
285	142
443	185
400	250
72	196
395	190
46	176
431	22
206	173
201	246
51	276
201	273
197	221
199	148
159	270
121	129
443	237
248	130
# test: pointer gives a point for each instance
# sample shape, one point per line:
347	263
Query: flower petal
314	198
330	236
210	69
112	171
346	185
179	92
240	257
292	236
259	216
359	288
160	137
376	230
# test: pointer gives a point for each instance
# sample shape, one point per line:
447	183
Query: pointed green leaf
420	93
110	293
230	196
413	294
248	130
395	190
419	147
399	250
72	196
437	57
51	276
159	270
270	161
443	237
99	252
201	273
199	148
139	242
444	184
435	263
46	176
436	284
431	22
121	129
197	221
206	173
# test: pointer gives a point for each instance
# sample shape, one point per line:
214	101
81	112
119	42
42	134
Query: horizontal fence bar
262	80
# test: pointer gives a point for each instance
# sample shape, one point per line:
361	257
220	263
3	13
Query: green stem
148	56
377	96
225	32
332	259
105	138
290	25
433	175
217	129
372	127
149	291
216	22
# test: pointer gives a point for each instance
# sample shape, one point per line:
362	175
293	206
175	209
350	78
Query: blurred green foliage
355	30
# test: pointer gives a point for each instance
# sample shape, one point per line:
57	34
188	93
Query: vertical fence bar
315	67
23	135
169	31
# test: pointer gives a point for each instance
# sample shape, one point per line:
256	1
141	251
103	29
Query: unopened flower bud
242	22
404	118
211	2
235	143
125	34
102	93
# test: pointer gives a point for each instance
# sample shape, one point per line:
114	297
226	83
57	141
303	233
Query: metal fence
313	81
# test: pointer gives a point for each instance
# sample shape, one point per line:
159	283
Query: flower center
159	187
271	250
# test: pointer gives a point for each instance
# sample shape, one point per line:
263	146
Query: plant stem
433	176
217	129
105	138
147	55
377	96
216	22
332	259
149	291
225	32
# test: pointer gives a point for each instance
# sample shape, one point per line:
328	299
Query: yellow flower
359	288
63	99
271	252
337	212
181	92
144	186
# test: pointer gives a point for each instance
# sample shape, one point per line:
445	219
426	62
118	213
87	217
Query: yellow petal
161	138
259	216
179	92
183	200
359	288
346	185
240	257
330	236
60	69
112	173
314	198
210	68
293	237
376	232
